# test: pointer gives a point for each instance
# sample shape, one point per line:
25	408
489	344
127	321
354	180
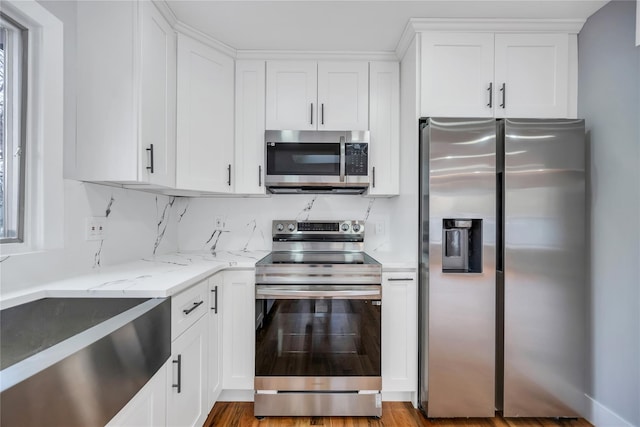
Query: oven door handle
372	292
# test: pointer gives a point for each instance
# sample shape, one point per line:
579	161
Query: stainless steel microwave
317	161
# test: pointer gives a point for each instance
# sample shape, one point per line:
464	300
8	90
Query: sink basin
78	361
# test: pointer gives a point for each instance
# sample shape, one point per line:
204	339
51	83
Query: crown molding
166	11
492	25
181	27
316	55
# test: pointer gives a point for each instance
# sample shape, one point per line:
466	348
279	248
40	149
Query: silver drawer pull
400	279
195	305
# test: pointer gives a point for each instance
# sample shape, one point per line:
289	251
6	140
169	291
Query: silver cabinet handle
259	175
179	363
503	89
195	305
400	279
373	173
322	114
490	89
150	150
312	113
229	175
215	299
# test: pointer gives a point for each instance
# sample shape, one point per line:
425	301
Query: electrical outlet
95	228
380	228
220	223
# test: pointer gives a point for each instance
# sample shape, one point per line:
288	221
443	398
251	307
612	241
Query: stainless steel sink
78	361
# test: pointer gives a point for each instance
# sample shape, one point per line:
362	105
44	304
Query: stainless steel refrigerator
502	267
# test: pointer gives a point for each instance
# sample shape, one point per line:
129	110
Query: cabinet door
148	406
399	332
250	127
239	330
205	118
343	95
158	98
215	338
187	405
384	146
457	75
291	95
106	136
534	69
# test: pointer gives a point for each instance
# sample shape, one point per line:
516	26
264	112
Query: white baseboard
601	416
236	396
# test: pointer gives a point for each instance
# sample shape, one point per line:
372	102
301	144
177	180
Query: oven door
318	337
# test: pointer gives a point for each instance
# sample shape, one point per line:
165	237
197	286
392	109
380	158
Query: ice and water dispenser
461	245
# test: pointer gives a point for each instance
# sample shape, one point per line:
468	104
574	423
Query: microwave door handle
342	158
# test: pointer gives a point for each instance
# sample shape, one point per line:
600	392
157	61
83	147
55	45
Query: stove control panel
326	228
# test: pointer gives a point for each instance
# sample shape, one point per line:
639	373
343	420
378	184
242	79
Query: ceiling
350	26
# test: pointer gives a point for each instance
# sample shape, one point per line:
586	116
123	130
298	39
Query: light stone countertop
157	277
161	276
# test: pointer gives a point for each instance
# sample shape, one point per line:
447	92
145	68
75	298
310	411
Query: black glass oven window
319	337
303	159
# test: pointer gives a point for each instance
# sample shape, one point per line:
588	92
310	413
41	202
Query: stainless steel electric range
318	344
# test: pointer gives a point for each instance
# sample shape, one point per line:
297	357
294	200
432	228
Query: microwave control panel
356	158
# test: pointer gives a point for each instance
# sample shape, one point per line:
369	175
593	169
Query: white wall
609	100
135	223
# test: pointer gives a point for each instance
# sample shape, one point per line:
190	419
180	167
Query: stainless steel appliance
502	295
318	347
317	162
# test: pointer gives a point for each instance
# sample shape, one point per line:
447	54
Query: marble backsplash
138	225
244	224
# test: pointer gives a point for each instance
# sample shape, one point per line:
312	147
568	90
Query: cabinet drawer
187	307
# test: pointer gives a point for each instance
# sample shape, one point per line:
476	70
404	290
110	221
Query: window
32	211
12	129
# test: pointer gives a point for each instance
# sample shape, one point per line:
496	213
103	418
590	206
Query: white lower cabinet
238	330
215	338
399	333
147	408
187	372
187	402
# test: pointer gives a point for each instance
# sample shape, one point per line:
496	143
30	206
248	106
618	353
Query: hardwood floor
394	414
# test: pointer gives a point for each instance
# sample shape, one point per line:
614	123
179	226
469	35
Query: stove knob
345	226
291	227
356	227
279	227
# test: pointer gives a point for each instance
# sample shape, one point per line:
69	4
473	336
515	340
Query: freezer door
544	281
461	311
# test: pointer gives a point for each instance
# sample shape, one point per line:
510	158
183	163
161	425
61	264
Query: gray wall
609	100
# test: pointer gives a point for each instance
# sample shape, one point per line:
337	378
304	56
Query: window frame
15	121
43	156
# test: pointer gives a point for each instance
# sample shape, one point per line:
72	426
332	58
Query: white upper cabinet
292	90
126	94
250	127
205	118
310	95
384	147
532	75
343	96
495	75
457	74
